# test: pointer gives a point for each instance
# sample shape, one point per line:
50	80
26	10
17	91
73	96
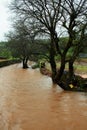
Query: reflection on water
29	101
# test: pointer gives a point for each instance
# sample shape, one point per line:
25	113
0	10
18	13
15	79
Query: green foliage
62	42
35	66
4	52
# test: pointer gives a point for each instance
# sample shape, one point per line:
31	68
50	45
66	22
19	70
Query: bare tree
48	16
74	21
19	42
22	42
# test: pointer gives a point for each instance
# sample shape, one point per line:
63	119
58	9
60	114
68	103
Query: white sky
5	23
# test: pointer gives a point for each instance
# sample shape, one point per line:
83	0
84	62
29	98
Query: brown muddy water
29	101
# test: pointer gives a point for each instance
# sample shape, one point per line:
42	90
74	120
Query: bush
35	66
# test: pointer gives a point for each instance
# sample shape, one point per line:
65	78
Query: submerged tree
49	16
19	43
75	22
22	44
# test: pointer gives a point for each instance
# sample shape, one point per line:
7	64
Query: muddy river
29	101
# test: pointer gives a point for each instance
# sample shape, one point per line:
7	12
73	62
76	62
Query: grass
2	60
80	66
80	69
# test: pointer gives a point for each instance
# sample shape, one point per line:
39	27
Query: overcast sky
5	24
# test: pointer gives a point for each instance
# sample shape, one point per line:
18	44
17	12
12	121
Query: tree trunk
52	58
60	71
53	67
25	60
71	69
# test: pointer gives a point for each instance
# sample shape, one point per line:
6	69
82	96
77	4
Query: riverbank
79	81
6	62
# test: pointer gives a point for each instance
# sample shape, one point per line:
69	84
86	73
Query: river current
29	101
